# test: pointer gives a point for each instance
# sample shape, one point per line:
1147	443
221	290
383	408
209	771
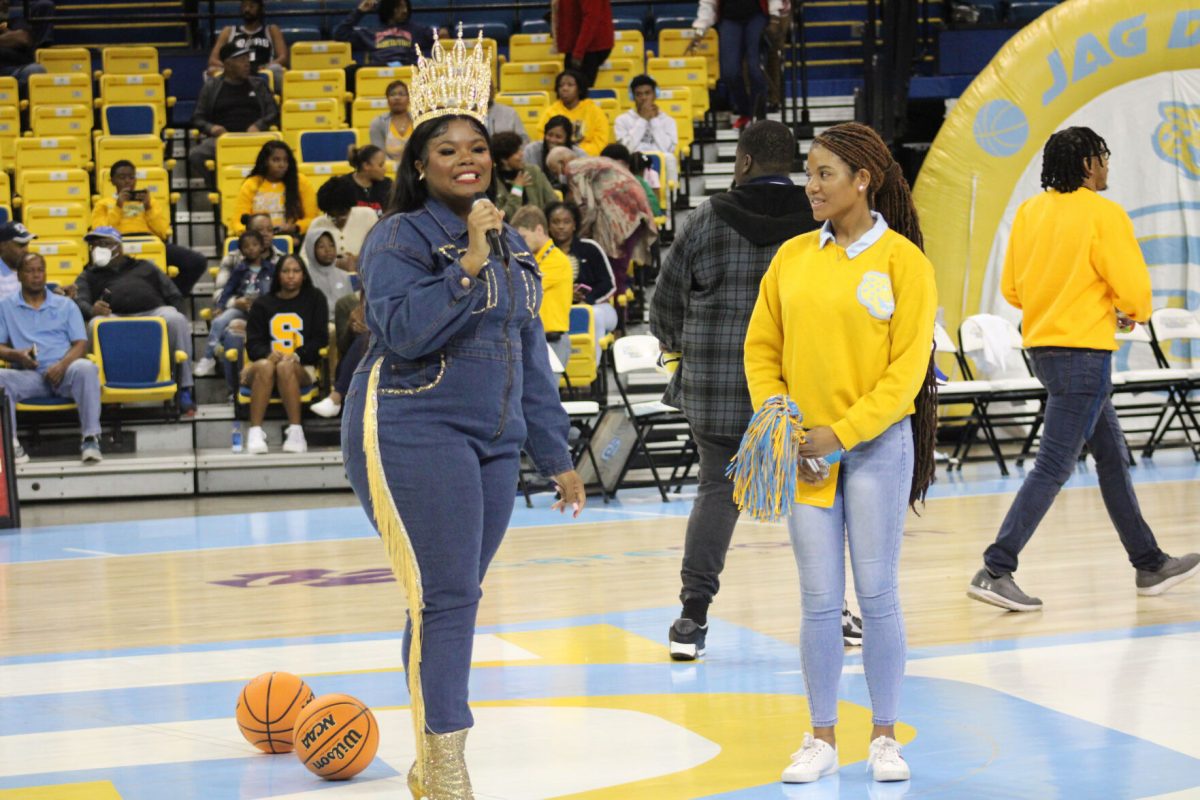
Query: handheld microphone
493	236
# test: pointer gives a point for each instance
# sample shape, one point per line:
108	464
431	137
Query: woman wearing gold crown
455	383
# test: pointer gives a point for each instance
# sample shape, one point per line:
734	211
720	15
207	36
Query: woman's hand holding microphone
484	217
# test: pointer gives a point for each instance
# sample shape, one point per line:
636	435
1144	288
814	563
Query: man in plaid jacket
701	309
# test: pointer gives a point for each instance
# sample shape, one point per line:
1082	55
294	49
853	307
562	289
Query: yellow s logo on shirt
287	333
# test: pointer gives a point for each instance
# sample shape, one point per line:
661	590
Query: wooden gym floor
123	644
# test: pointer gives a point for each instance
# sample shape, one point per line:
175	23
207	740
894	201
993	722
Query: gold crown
451	82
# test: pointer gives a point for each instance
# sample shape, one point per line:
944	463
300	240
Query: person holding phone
133	211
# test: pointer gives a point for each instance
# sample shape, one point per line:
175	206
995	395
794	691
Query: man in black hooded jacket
701	309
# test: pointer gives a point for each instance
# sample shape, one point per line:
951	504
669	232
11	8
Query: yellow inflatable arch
1050	69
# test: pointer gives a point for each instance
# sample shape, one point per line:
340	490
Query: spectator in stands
740	25
42	334
255	222
583	33
114	284
556	132
394	42
268	50
645	128
592	274
389	132
369	182
637	166
248	280
14	244
334	240
41	13
502	117
285	333
614	209
353	337
234	102
775	36
555	313
518	184
589	123
701	310
135	211
276	187
17	45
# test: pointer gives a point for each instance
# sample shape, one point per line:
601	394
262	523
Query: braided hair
888	193
1064	155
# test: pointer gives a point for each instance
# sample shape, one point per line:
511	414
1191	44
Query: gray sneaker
1173	571
1002	592
89	450
19	454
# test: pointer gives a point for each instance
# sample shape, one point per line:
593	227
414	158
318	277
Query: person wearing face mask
556	132
114	284
268	49
369	182
390	131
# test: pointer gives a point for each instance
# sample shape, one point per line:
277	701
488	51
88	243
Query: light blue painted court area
588	706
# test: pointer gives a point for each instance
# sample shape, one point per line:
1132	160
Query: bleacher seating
320	55
51	121
135	360
317	85
65	60
372	82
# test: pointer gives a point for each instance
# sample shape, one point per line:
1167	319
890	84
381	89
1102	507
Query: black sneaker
1173	571
851	628
687	639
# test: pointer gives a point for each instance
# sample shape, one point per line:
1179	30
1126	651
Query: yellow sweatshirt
1072	259
133	217
557	288
848	339
260	196
590	121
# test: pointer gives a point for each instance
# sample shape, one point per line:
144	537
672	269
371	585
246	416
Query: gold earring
420	176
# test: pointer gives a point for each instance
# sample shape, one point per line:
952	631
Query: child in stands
247	281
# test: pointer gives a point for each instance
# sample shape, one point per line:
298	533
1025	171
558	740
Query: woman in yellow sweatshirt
590	121
276	187
844	326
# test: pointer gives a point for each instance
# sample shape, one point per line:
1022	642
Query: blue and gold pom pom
764	471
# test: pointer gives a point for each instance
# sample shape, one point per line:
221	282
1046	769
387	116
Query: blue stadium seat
535	26
135	360
628	24
1023	13
307	33
130	120
326	146
472	26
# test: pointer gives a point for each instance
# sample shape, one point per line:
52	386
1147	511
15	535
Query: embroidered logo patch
875	294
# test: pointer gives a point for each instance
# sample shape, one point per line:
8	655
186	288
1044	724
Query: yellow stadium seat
317	174
127	90
10	131
673	43
315	115
58	220
236	149
74	120
65	258
60	90
6	191
59	152
229	184
148	248
611	109
691	72
54	186
630	45
372	82
65	59
616	74
530	106
527	47
365	109
143	151
131	60
135	360
677	104
317	85
320	55
537	76
9	95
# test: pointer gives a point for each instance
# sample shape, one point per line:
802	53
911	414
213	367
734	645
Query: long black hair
1063	157
888	193
580	81
293	207
410	191
305	286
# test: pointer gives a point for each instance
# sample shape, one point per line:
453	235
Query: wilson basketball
336	736
267	709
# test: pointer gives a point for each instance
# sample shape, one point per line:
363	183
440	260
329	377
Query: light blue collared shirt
866	240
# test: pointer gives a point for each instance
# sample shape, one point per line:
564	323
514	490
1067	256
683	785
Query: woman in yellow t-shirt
844	326
276	188
391	131
590	121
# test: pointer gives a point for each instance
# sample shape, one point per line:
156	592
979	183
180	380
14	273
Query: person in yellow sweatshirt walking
1075	270
844	326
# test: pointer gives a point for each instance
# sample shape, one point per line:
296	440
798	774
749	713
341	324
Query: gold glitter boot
445	769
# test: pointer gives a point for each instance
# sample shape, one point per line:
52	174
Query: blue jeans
742	39
1078	410
217	329
869	510
80	383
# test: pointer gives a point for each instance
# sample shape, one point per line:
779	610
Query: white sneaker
256	441
295	441
885	761
815	759
19	454
205	367
326	408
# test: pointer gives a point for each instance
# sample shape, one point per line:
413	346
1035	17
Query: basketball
267	709
336	736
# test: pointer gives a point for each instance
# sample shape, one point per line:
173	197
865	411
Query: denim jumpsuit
464	384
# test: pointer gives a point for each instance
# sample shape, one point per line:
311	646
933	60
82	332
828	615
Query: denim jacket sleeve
545	419
413	306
